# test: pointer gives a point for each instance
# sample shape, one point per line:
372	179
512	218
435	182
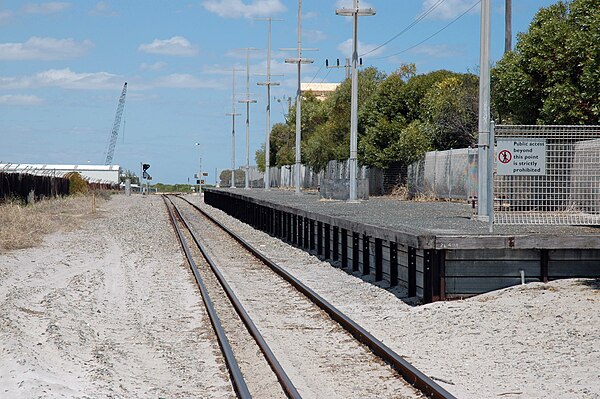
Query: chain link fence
558	184
569	190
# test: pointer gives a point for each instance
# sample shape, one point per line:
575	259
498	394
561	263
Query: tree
410	114
259	156
450	108
415	90
553	75
172	188
128	174
331	140
225	177
283	142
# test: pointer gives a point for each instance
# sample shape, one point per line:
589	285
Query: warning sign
521	157
505	156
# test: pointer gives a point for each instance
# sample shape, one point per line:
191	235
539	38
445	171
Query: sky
63	65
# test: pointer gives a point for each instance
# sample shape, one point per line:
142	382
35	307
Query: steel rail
280	373
239	384
410	373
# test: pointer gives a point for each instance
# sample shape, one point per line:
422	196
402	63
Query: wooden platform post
355	251
305	234
544	258
319	238
336	242
434	285
344	248
366	256
327	240
412	271
378	259
393	263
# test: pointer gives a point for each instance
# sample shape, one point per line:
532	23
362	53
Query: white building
106	174
320	90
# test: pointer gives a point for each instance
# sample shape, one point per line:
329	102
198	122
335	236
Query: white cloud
346	48
239	9
46	8
241	53
20	99
350	4
44	48
315	35
440	51
184	81
157	66
63	78
176	46
449	9
5	16
102	8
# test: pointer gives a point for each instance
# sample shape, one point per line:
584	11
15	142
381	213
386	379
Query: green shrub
76	184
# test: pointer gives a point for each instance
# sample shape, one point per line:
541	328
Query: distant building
107	174
320	90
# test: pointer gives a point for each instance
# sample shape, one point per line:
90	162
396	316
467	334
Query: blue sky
63	65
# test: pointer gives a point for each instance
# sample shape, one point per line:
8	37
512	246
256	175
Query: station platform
437	250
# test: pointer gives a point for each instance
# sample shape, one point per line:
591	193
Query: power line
325	77
314	77
429	37
416	21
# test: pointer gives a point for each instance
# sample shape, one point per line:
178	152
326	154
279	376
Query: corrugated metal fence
450	174
28	187
284	177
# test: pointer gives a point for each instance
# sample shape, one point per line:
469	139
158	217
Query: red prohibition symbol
505	156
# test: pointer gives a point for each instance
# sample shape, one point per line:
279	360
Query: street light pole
233	115
247	100
507	26
299	61
268	83
354	12
483	143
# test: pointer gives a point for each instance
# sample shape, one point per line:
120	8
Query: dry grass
24	226
402	193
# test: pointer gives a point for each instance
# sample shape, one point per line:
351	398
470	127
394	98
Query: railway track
315	350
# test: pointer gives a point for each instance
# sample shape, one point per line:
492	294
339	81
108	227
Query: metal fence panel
450	174
568	193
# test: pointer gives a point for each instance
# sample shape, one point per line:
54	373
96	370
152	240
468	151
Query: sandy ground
111	310
106	311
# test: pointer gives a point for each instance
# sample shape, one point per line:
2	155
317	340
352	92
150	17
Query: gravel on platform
412	217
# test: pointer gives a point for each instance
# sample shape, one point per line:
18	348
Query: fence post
434	174
450	175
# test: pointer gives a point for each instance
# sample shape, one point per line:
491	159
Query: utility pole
354	12
299	61
485	146
233	115
508	26
247	100
347	66
268	84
